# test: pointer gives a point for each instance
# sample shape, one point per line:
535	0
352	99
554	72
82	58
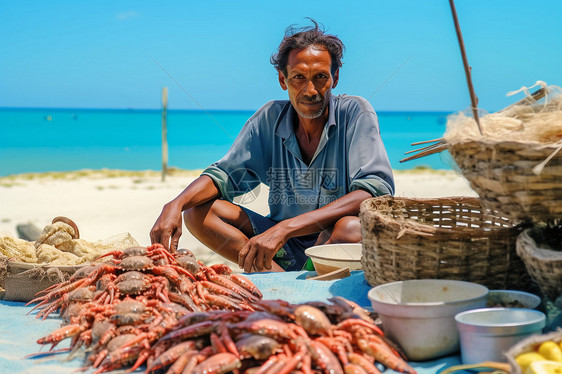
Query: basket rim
489	142
411	226
21	266
540	253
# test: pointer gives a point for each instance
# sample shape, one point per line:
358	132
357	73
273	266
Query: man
320	155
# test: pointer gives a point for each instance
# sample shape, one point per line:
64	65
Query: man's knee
346	230
213	214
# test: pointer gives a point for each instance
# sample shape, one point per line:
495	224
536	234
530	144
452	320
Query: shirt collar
286	119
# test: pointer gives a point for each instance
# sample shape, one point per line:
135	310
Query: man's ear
336	78
282	80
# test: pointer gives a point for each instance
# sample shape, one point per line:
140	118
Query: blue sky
401	54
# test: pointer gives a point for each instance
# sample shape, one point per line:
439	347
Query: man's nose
310	89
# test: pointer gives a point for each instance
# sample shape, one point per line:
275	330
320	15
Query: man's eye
298	76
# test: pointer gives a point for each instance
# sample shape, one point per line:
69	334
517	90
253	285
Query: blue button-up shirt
350	156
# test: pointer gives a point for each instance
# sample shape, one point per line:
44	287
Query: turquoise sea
39	140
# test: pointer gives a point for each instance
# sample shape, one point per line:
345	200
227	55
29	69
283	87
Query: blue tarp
19	331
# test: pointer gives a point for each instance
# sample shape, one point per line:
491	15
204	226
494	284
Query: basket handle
500	367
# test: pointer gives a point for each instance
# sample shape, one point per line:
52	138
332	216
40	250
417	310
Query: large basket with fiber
444	238
540	248
513	158
505	176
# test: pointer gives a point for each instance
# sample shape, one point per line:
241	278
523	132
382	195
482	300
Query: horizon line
200	110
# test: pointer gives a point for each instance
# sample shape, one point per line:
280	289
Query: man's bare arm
168	227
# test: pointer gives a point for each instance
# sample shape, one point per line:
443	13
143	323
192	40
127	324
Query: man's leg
222	226
346	230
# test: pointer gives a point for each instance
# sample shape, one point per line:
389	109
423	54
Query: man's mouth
311	102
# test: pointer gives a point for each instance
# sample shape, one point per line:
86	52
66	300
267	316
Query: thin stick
428	141
424	148
164	133
426	153
473	98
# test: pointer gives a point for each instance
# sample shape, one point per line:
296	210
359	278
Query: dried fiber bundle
530	121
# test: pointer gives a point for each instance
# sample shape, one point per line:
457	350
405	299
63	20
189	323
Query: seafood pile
280	337
172	312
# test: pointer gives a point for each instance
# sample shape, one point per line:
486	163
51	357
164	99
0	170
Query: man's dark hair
302	37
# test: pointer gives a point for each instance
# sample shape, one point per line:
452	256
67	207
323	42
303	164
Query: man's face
309	81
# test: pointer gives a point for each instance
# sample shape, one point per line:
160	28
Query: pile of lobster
171	312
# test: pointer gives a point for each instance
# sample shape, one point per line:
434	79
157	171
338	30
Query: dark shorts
291	256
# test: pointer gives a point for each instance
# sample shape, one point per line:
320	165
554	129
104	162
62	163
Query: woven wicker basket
543	264
445	238
502	175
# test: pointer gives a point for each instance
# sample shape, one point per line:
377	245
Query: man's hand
168	227
259	251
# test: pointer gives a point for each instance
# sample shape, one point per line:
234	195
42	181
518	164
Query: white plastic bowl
485	334
512	299
330	257
419	314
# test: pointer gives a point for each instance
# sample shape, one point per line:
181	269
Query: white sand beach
109	202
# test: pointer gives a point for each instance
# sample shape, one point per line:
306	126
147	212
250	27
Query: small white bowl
419	314
512	299
329	257
485	334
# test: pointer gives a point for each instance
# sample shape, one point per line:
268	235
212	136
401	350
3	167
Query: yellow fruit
525	359
544	367
551	351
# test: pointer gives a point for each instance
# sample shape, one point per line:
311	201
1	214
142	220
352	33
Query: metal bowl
485	334
330	257
512	299
419	314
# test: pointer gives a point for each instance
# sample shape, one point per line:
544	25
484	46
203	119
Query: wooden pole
473	98
164	133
